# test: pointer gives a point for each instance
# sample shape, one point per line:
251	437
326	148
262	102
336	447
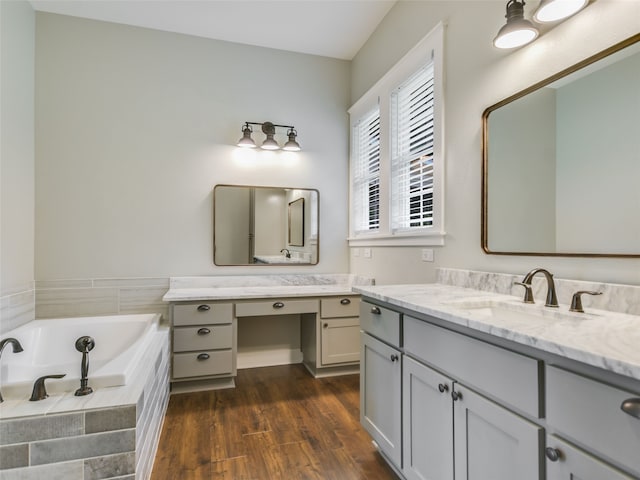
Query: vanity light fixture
269	129
517	31
554	10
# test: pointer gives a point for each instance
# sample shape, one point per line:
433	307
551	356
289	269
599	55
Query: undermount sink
500	310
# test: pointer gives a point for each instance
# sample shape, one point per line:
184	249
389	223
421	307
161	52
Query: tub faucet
17	348
288	254
552	300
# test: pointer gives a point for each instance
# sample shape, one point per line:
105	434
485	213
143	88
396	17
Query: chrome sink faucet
552	300
17	348
288	254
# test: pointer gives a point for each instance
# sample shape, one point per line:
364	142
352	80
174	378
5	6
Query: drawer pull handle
456	396
631	407
375	310
553	454
203	356
278	305
345	301
443	387
394	357
203	308
204	331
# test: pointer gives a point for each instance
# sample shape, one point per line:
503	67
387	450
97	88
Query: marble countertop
600	338
184	289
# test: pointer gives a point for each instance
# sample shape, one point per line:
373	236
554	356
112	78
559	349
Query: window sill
431	239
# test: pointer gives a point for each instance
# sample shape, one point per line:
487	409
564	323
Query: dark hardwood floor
278	423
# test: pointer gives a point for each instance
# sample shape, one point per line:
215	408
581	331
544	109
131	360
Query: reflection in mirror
561	162
257	226
296	223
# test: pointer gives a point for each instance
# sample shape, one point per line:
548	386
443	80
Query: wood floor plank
278	423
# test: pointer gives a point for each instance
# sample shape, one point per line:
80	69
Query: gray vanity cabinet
427	423
566	462
491	442
381	379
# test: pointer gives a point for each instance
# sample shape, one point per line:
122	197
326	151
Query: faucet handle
528	292
576	300
39	390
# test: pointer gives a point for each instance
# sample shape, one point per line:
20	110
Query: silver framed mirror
561	162
257	225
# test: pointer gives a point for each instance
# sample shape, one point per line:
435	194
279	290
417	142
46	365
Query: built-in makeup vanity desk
462	383
317	315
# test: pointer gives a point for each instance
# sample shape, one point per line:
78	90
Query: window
366	172
397	159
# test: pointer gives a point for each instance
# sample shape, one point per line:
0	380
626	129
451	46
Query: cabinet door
340	339
427	423
492	443
566	462
380	406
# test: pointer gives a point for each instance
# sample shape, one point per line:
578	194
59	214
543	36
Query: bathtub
49	349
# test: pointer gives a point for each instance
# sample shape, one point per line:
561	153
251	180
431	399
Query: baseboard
268	358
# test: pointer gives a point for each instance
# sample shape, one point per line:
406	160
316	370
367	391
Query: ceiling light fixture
269	129
517	31
554	10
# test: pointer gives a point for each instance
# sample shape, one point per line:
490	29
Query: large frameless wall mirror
561	162
265	225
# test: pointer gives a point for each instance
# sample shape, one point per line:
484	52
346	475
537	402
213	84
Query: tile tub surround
112	433
17	307
261	286
614	298
100	296
603	339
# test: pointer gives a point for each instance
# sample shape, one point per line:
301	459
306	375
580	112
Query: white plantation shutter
366	172
412	148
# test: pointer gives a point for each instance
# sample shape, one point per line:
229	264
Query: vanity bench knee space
319	314
444	397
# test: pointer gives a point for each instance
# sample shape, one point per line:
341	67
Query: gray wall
136	126
477	76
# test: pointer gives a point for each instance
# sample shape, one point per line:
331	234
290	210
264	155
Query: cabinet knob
203	308
203	356
375	310
204	331
553	454
345	301
278	305
325	325
394	357
443	387
456	396
631	407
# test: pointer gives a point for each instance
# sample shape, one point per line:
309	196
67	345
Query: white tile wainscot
320	311
564	386
112	433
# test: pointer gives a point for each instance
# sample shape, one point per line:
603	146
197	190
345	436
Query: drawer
276	307
347	306
200	364
206	337
380	322
202	313
513	378
589	413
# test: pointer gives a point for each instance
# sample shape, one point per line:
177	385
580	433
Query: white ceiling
331	28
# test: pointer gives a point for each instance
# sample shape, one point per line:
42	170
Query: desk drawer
276	307
347	306
589	413
202	313
511	377
200	364
207	337
380	322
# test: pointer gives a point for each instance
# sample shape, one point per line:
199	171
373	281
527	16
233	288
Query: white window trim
380	94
